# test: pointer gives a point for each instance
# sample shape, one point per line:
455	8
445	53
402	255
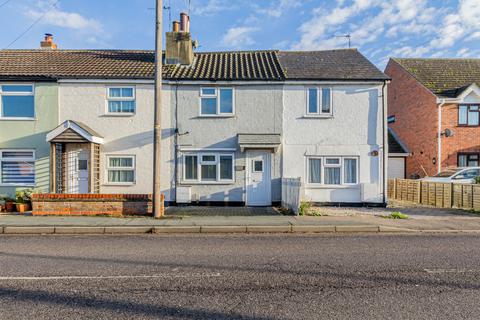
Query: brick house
433	108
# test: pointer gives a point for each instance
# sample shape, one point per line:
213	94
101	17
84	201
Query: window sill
16	185
332	186
317	116
17	119
216	116
207	183
126	184
119	114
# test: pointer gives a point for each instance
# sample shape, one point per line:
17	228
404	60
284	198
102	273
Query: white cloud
278	7
212	7
57	17
237	37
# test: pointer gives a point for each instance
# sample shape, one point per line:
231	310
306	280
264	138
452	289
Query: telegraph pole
157	130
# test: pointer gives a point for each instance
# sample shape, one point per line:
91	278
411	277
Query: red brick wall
464	140
91	204
416	113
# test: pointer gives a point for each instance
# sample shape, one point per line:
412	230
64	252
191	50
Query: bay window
208	167
332	170
216	101
319	101
17	102
17	167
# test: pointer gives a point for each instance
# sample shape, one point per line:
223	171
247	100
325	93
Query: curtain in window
315	168
209	172
462	160
121	162
326	100
120	176
350	171
226	167
332	175
191	168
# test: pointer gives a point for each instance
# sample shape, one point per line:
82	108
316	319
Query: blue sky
379	28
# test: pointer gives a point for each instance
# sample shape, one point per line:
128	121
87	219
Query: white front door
258	182
78	170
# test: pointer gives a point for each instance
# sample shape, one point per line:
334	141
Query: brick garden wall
416	113
91	204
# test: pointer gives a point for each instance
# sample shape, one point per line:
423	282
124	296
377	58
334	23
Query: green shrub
398	215
304	207
477	180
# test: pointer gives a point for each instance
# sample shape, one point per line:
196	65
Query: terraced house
235	124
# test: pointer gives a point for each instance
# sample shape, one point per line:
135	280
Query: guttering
385	147
439	136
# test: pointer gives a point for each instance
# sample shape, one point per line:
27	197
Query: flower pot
9	206
22	207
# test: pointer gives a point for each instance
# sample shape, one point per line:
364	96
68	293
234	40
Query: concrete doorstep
64	230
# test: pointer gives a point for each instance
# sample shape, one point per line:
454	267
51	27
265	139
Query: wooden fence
438	194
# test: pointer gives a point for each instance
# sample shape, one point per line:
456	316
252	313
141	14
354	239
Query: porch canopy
74	132
259	141
74	158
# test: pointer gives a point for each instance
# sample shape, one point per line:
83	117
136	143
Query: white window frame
133	168
324	165
32	159
200	162
109	98
32	93
319	113
218	114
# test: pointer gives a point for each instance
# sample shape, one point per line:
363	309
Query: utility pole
157	130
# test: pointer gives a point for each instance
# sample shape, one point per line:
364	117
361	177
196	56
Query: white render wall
258	109
354	130
123	135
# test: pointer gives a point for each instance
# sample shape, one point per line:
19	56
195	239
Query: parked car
456	175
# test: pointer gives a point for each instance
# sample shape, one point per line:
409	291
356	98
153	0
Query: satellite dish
448	133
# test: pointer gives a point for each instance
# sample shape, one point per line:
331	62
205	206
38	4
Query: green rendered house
28	111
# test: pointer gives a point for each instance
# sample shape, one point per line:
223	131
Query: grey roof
266	65
394	144
443	77
342	64
261	139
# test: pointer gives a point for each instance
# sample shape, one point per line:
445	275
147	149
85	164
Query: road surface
240	277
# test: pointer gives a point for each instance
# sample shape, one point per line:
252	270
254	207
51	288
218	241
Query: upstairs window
216	101
319	101
468	115
17	102
17	167
121	100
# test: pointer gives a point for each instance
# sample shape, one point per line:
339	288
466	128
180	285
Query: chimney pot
48	43
184	22
176	26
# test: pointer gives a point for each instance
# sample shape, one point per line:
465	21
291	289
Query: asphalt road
240	277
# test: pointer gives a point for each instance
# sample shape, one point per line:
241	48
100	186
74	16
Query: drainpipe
384	168
439	138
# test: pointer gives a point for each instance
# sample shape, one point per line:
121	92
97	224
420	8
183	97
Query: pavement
249	276
250	220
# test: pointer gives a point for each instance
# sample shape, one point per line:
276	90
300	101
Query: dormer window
319	101
216	101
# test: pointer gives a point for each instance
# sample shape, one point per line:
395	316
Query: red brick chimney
48	43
